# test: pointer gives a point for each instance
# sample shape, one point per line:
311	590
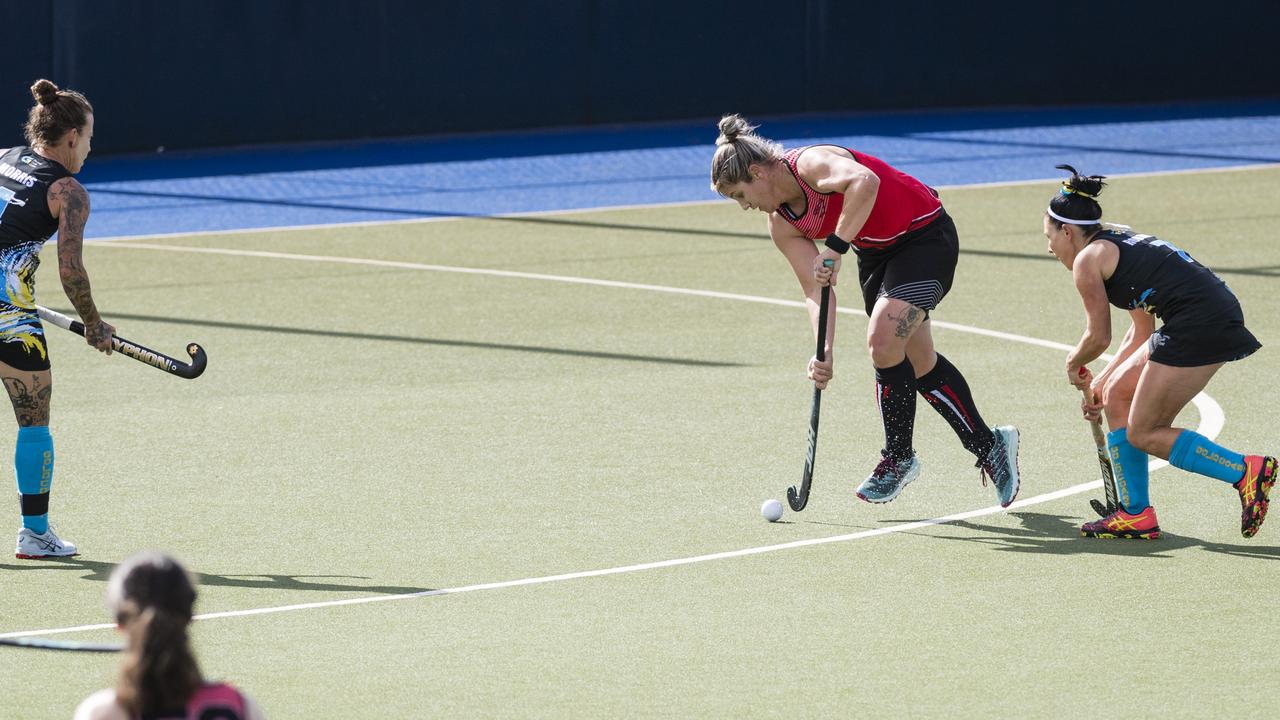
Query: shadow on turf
422	341
101	571
1060	535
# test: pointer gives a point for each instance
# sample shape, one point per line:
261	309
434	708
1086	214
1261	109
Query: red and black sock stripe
946	390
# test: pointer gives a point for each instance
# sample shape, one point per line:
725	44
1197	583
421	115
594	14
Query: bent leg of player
1135	518
1116	396
1164	390
1252	476
947	392
892	323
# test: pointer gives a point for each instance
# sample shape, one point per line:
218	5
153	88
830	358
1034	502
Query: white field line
609	208
1211	422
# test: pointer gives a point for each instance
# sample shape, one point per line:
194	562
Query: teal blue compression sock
33	464
1194	452
1129	465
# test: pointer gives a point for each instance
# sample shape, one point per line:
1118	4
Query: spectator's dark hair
153	597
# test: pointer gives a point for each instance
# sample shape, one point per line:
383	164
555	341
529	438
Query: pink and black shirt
903	204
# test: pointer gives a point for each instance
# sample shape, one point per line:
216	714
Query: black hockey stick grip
191	370
65	645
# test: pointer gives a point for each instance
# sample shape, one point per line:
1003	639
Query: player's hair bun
731	127
45	92
1088	186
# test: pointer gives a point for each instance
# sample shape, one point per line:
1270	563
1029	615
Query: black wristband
835	243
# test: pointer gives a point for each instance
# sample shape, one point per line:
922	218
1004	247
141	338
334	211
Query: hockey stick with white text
142	354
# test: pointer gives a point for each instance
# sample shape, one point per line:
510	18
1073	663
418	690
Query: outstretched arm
69	202
800	253
1087	272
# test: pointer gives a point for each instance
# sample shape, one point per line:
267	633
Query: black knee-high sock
896	395
945	389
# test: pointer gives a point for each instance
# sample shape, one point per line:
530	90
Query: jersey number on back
1160	243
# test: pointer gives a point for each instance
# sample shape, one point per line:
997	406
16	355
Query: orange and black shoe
1255	489
1120	524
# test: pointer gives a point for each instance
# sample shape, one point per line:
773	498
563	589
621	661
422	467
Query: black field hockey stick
1104	464
798	498
63	645
142	354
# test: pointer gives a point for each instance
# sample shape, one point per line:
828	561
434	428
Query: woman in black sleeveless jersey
39	196
1155	372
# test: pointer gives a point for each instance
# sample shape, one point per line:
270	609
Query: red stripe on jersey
903	204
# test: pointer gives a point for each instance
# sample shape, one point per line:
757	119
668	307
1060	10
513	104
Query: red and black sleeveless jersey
902	204
25	178
1156	277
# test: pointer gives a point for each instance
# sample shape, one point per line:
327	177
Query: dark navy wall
236	72
25	56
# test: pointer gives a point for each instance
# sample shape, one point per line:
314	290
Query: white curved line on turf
1211	422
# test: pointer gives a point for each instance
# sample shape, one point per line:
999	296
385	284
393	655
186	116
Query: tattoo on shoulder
73	201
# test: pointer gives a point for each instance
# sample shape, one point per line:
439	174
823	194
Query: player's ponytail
1076	203
55	113
737	149
153	599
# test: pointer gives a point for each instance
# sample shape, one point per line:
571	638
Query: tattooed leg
893	322
30	393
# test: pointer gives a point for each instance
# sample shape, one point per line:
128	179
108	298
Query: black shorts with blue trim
1202	338
918	269
22	343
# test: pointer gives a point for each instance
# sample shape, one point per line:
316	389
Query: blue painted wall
236	72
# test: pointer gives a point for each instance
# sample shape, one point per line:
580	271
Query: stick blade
199	360
797	499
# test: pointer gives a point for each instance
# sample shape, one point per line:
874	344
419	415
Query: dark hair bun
1088	186
44	91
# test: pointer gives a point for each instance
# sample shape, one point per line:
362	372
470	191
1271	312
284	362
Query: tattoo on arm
73	215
